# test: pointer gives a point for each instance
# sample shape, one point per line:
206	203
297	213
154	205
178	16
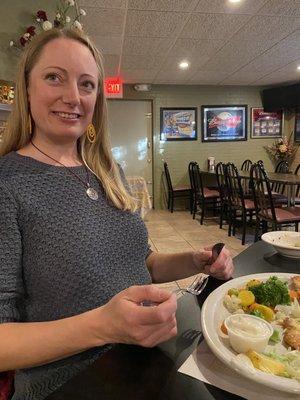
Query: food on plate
264	324
247	332
262	311
247	298
291	334
272	292
266	364
296	282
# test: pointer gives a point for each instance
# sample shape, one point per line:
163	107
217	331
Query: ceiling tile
208	77
102	3
221	6
197	48
111	64
287	73
234	55
138	76
273	28
163	5
181	75
213	26
242	77
102	22
108	44
145	45
171	63
281	7
140	62
153	23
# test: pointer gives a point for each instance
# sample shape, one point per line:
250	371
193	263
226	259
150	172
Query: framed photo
178	123
266	124
297	126
224	123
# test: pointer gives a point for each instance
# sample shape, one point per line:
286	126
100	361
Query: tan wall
179	154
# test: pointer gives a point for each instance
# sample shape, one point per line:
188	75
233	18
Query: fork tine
198	285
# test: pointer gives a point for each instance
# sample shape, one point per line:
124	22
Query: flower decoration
67	15
282	149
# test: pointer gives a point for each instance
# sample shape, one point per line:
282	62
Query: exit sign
113	87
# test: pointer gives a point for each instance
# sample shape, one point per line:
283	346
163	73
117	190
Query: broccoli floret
257	313
272	292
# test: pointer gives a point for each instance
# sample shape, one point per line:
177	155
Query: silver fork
198	284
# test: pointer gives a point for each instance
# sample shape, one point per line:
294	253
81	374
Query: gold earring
29	124
91	133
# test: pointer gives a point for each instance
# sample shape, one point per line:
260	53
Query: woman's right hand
124	320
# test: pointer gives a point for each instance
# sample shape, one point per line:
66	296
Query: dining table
136	373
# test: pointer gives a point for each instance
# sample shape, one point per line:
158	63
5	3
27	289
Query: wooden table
136	373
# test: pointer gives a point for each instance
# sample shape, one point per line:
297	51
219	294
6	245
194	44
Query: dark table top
135	373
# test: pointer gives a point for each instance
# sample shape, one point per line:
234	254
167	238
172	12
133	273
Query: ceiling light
234	1
184	65
298	67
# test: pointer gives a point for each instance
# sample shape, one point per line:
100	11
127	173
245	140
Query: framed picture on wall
297	126
224	123
266	124
178	123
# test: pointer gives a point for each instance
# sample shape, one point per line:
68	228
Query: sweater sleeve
11	282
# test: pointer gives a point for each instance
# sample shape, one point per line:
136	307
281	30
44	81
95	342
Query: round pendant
92	193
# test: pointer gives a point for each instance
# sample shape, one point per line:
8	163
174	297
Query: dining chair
246	165
223	192
176	191
204	197
297	172
193	193
267	212
282	167
239	206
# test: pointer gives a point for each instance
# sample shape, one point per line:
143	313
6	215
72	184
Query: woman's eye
88	85
52	77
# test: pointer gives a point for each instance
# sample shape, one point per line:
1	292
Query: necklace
91	192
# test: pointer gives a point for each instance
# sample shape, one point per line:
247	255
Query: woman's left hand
222	268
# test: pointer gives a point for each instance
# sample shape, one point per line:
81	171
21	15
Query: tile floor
177	232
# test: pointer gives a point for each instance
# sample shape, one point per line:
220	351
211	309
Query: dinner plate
213	314
284	242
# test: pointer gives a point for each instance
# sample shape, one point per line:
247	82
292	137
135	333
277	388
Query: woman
73	251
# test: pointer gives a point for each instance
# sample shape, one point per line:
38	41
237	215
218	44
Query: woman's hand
124	320
222	268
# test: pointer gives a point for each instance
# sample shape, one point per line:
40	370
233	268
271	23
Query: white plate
284	242
213	314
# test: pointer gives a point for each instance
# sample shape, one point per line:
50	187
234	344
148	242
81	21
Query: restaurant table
139	190
135	373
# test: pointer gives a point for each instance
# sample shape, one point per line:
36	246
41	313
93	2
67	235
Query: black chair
239	206
203	197
193	194
246	165
177	191
297	172
223	192
266	210
282	167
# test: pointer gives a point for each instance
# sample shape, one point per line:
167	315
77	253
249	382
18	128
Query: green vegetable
257	313
275	336
272	292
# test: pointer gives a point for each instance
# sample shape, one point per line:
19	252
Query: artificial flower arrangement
282	149
67	15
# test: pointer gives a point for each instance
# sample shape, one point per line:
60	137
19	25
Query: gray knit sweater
61	254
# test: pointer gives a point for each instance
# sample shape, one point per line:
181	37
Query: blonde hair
96	156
